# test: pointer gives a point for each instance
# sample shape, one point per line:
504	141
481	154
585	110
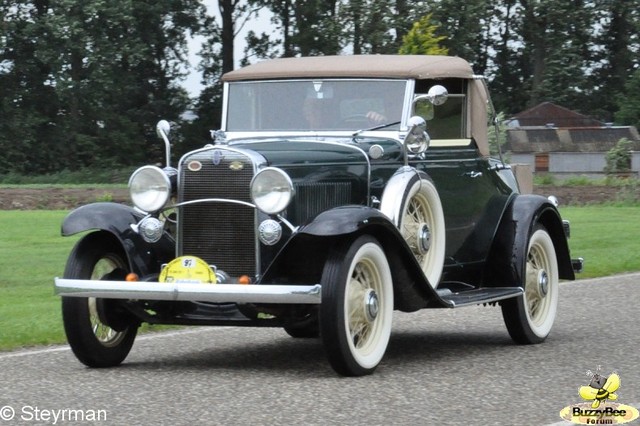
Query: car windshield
318	105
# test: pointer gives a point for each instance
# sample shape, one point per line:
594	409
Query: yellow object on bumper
187	269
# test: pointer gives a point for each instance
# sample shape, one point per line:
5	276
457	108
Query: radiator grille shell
221	233
224	233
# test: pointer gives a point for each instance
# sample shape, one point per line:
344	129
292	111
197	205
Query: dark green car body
321	206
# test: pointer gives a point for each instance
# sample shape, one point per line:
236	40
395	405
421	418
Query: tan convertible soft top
417	67
368	66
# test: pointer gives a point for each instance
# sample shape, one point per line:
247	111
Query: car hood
282	152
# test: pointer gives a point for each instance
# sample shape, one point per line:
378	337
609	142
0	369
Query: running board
478	296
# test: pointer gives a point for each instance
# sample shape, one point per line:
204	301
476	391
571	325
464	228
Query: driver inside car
315	113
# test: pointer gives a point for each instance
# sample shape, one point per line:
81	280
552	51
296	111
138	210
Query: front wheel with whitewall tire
357	306
92	341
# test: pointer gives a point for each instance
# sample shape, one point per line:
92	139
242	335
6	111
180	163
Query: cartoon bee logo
600	389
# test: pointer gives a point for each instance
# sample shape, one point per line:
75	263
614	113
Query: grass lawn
606	237
33	252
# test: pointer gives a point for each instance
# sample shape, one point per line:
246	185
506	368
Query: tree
317	29
544	52
119	70
557	38
82	83
217	58
265	45
508	79
629	103
28	101
467	27
235	14
379	26
618	158
421	39
306	27
616	54
208	106
86	81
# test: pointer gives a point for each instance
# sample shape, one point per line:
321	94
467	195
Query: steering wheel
354	119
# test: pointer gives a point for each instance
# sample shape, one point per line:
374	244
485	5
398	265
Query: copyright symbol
7	413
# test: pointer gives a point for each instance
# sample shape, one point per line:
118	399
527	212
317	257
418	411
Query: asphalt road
444	367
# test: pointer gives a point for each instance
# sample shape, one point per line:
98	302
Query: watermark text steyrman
31	413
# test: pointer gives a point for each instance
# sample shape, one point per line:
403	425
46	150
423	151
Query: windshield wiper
378	127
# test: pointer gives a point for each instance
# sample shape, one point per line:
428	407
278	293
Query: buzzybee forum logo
600	408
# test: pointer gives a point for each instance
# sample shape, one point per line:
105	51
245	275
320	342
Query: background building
562	142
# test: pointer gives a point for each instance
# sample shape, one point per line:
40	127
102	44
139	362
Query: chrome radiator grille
223	234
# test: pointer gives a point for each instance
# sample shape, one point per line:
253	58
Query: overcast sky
192	83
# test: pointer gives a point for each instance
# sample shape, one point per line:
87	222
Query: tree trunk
226	11
534	33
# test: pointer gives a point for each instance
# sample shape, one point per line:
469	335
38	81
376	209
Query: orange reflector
244	279
131	276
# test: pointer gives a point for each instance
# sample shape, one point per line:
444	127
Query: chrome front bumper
216	293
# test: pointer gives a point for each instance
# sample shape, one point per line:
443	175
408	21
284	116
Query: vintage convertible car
339	189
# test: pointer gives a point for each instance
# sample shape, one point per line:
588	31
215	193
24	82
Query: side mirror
162	130
437	95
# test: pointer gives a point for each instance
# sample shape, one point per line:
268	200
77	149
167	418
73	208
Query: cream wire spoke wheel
422	227
357	306
529	318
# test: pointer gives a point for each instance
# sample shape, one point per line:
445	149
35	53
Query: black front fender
346	220
303	257
506	264
116	219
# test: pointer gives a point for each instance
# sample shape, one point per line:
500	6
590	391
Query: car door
473	199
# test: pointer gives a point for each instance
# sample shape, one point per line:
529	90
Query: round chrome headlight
149	188
271	190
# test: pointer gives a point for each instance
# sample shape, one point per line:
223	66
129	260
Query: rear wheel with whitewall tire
529	318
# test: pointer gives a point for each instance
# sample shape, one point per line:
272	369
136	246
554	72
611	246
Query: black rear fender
506	263
111	220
